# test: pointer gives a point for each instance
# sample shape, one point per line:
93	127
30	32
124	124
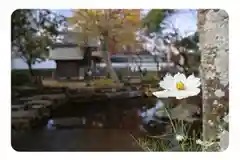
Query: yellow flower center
180	86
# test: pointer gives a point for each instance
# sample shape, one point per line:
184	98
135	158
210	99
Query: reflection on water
104	126
107	115
148	114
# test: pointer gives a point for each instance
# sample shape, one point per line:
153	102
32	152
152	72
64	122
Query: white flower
210	122
179	137
199	142
205	144
178	86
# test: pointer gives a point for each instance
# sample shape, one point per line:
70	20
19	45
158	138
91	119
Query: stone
21	123
68	122
37	106
30	114
42	102
17	107
29	98
17	121
130	94
44	97
53	96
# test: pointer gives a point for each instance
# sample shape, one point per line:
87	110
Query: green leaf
25	26
153	20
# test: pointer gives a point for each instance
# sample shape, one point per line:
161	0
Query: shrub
150	78
20	78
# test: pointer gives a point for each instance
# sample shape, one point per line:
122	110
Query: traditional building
73	60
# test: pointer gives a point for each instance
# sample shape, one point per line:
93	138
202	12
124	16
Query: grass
69	84
98	83
150	76
168	142
103	82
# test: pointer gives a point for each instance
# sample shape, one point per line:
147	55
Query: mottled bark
213	31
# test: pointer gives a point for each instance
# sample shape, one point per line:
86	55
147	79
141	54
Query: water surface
102	126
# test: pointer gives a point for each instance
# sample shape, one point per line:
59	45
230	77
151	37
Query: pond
102	126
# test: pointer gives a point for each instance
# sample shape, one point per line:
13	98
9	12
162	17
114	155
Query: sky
184	20
64	12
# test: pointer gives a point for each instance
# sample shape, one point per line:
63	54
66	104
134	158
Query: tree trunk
35	80
31	73
213	31
30	69
88	57
158	70
157	64
107	60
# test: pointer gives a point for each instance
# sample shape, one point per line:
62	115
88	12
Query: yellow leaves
132	16
120	24
107	18
92	12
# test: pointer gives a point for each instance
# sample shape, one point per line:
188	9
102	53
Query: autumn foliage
119	25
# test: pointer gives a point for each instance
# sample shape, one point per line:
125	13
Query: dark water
105	126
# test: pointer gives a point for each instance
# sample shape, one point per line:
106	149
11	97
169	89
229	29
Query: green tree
33	33
153	19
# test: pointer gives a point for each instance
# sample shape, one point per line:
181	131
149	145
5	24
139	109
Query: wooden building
73	60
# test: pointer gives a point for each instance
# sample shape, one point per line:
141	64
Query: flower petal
195	91
184	93
181	94
162	94
167	83
179	77
192	82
